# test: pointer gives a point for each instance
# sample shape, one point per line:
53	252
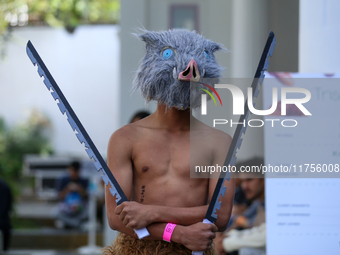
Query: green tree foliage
71	13
56	13
27	138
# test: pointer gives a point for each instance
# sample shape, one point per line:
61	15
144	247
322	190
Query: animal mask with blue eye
168	56
167	53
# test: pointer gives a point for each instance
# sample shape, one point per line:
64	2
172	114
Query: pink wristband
168	232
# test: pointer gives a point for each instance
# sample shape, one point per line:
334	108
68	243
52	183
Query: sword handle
206	221
142	232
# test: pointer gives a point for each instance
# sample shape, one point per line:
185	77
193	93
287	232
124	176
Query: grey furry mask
172	59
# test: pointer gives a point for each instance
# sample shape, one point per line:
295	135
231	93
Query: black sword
230	160
80	132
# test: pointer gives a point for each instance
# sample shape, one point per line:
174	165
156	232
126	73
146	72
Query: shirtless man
151	158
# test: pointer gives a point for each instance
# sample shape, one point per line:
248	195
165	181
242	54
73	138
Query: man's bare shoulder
130	132
220	139
212	135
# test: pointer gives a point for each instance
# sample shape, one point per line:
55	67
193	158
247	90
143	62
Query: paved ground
43	212
48	240
40	210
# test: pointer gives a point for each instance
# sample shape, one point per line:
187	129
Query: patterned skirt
127	245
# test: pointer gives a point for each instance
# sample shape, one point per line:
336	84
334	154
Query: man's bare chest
162	155
157	155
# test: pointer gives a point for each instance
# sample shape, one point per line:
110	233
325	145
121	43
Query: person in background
246	231
5	210
252	185
72	194
240	201
139	115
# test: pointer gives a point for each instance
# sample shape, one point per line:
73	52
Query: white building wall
85	65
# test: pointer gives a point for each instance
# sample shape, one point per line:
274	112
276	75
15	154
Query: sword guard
142	232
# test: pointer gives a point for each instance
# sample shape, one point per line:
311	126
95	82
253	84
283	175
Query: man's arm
136	215
195	237
198	237
119	161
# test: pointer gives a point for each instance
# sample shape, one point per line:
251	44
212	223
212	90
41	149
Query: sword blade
220	190
76	125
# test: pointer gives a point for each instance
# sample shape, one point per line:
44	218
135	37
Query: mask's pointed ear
216	47
148	37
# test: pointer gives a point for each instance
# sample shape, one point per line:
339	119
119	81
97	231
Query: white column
249	34
319	37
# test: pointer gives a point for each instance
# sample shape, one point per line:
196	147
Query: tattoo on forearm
142	194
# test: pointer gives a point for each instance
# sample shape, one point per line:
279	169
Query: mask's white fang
203	73
174	73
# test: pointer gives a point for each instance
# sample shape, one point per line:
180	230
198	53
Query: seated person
247	227
252	185
72	194
240	201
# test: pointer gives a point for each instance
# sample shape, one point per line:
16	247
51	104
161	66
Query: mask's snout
191	73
